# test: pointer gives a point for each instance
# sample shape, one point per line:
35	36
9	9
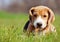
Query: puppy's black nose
39	24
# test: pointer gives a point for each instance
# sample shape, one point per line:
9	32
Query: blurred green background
14	14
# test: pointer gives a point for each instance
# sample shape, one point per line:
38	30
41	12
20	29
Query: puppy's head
41	16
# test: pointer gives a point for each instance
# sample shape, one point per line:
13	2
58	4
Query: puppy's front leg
53	30
30	29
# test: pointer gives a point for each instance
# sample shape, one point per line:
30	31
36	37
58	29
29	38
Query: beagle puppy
40	21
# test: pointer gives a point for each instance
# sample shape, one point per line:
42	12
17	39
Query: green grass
11	29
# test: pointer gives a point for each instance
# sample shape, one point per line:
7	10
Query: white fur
40	20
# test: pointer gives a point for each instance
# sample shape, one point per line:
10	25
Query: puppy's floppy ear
31	12
51	16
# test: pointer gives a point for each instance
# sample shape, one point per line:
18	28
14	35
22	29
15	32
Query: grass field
11	29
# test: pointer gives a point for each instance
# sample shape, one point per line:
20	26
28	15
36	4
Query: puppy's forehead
41	11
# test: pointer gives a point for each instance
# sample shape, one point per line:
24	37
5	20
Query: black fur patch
26	26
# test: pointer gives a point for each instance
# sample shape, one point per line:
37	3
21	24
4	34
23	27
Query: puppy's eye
44	16
35	15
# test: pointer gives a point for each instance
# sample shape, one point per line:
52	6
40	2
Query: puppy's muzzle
39	25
